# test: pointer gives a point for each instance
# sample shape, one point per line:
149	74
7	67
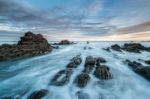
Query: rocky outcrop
82	80
102	72
116	47
138	68
63	76
106	49
75	62
38	94
29	45
134	47
65	42
130	47
89	64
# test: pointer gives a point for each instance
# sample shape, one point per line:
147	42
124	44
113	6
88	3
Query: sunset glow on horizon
77	20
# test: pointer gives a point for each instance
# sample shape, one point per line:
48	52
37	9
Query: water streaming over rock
20	78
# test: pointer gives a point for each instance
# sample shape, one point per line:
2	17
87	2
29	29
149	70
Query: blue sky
73	19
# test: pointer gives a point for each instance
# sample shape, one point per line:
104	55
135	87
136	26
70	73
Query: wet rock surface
138	68
64	42
130	47
89	64
134	47
75	62
102	72
63	76
38	94
82	80
29	45
116	47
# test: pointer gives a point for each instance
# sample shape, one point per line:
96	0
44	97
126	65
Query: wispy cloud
73	18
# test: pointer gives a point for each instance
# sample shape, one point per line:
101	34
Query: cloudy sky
76	19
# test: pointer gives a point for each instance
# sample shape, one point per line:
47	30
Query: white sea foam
28	75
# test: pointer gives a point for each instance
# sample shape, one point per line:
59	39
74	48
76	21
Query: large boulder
82	80
102	72
29	45
89	64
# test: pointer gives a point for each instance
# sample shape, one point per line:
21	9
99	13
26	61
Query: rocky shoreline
130	47
92	66
29	45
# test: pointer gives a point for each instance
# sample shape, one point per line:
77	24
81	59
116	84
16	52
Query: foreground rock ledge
29	45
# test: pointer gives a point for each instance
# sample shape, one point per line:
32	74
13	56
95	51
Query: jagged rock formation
130	47
82	80
102	72
139	69
63	76
65	42
116	47
75	62
29	45
89	64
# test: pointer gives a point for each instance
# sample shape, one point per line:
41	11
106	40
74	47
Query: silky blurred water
20	78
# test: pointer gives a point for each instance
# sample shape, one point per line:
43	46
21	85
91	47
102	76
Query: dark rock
55	47
134	65
38	94
85	48
138	68
90	60
82	80
75	62
88	68
107	49
64	42
133	47
29	45
100	60
102	72
147	62
116	47
61	78
89	64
